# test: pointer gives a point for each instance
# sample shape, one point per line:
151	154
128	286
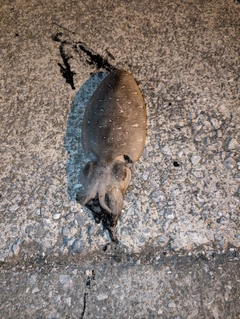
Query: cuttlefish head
104	187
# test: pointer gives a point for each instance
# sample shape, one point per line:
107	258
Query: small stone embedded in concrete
172	304
216	124
229	163
102	296
176	192
195	159
163	239
145	175
66	231
65	279
68	301
16	247
158	196
77	246
70	217
13	208
56	216
166	150
223	109
199	136
233	144
32	279
35	290
165	225
207	126
57	298
140	241
237	178
75	271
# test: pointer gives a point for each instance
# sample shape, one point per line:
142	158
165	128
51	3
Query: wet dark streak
88	285
66	71
96	59
91	58
84	305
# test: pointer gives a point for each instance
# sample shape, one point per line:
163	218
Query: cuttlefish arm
107	183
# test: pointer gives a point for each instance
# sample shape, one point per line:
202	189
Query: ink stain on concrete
67	46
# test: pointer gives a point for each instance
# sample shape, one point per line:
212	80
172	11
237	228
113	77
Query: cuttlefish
113	135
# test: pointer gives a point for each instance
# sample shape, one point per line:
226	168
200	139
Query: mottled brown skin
114	133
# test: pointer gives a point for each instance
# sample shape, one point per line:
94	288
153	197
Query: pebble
170	216
77	246
68	301
124	231
140	241
13	208
237	178
166	150
163	239
75	271
165	225
56	216
32	279
16	247
223	109
195	159
215	123
57	298
175	192
233	144
66	232
158	196
172	305
35	290
229	163
199	136
145	175
207	126
102	297
64	279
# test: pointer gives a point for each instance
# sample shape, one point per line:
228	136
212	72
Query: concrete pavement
179	231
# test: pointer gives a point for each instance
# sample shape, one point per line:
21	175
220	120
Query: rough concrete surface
179	232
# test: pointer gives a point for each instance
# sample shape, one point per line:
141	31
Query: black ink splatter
88	285
175	164
65	68
94	59
84	305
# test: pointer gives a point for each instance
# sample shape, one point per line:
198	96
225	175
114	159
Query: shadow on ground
73	136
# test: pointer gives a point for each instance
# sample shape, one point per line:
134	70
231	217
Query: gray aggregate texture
183	203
